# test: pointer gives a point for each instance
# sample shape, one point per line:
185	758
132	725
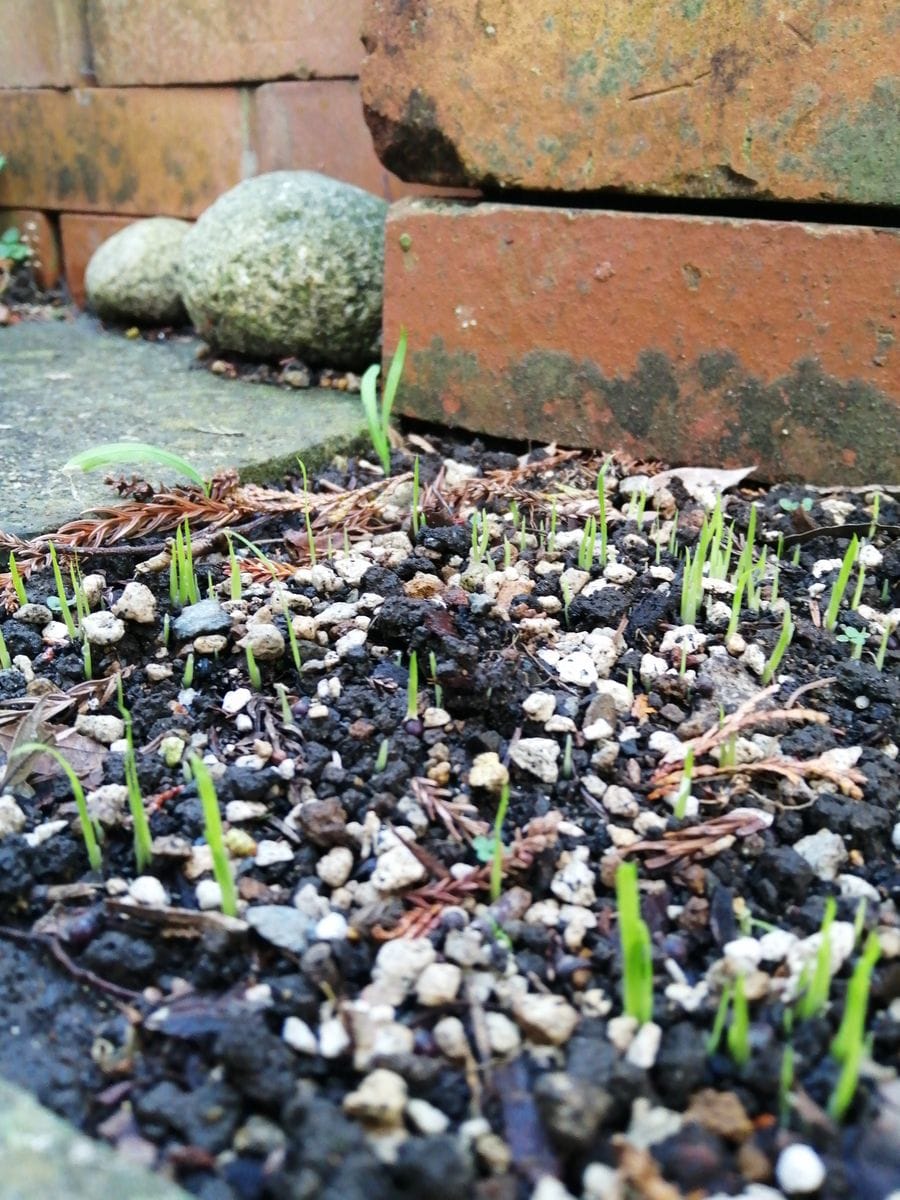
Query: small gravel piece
397	868
103	729
102	628
283	926
235	700
645	1046
12	819
147	890
299	1036
438	984
545	1018
137	603
537	756
488	772
824	851
799	1170
207	616
334	868
264	641
379	1100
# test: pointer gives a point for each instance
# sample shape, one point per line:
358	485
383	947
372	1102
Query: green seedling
166	629
792	505
114	454
378	418
737	598
672	546
187	676
849	1040
438	690
497	854
61	596
416	516
292	636
682	661
287	716
87	659
859	920
253	669
876	510
840	584
738	1035
634	937
715	1036
551	540
143	843
412	688
815	997
183	586
784	640
310	540
382	757
82	608
88	831
856	599
566	597
481	535
15	579
776	579
854	637
881	652
212	831
601	512
684	790
566	769
5	660
236	587
587	544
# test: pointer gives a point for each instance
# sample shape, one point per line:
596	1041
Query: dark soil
380	1021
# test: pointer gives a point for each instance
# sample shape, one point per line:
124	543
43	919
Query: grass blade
112	454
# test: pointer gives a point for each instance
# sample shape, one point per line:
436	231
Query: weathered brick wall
111	110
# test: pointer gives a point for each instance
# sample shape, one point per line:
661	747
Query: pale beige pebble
107	804
22	663
12	819
754	658
137	603
270	851
102	628
537	756
398	964
644	1046
397	868
157	672
103	729
494	1153
622	838
621	1031
34	614
620	802
210	644
576	922
438	984
235	700
334	868
594	1003
435	718
333	1038
503	1035
597	731
573	882
560	724
43	833
649	824
208	894
550	1188
544	1018
147	889
304	627
92	586
237	811
600	1182
450	1037
425	1117
265	641
299	1036
55	633
488	772
318	712
574	579
543	912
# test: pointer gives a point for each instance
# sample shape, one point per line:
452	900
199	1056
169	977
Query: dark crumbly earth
416	998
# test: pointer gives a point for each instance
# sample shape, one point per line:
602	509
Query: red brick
792	101
81	234
691	339
319	126
123	150
43	43
223	41
37	230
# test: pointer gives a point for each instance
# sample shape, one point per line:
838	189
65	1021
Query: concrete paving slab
43	1156
68	385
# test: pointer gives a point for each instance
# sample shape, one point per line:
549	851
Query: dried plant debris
508	823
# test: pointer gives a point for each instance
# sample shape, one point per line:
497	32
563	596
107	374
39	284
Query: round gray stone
289	264
133	276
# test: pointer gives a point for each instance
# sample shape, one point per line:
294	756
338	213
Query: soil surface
420	990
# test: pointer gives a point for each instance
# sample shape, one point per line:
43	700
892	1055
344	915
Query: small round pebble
799	1170
147	889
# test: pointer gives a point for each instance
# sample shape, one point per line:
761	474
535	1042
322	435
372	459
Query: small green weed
212	831
88	832
634	937
378	417
114	454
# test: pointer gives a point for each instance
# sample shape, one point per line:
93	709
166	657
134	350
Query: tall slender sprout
88	832
738	1036
378	418
5	660
310	540
143	842
814	999
784	640
212	821
587	544
497	849
849	1040
438	690
412	688
684	790
601	511
15	579
61	595
634	937
416	519
840	584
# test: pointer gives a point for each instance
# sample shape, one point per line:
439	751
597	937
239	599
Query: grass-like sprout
856	599
416	516
438	690
601	511
739	588
143	842
87	659
497	849
566	596
784	640
113	454
88	832
634	937
310	540
235	587
672	545
378	417
507	554
253	670
212	831
815	997
287	716
715	1035
587	544
183	586
15	578
481	536
187	676
61	596
840	584
684	789
738	1035
692	581
848	1043
5	660
881	652
412	687
292	636
381	757
859	920
566	769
